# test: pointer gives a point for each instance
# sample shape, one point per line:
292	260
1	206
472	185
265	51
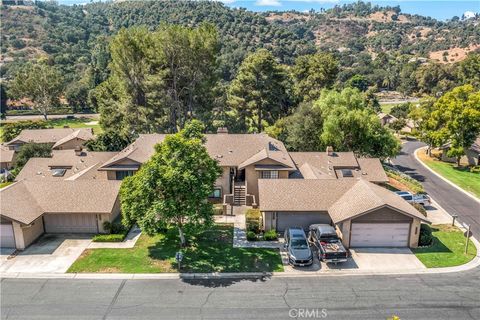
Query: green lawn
76	123
463	178
209	251
386	108
447	250
4	184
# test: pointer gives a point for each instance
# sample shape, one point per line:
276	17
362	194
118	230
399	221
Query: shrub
475	169
426	237
253	220
114	227
109	238
13	129
251	236
270	235
420	208
218	209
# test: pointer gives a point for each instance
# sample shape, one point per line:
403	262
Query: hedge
109	237
253	220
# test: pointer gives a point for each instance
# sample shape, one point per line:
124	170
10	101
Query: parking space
51	253
364	259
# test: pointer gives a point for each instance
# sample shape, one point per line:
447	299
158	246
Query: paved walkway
239	230
128	242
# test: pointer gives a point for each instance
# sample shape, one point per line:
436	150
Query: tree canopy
172	187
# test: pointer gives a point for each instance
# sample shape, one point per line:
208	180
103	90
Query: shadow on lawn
436	246
212	251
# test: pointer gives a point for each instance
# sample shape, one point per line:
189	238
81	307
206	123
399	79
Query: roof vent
222	130
330	151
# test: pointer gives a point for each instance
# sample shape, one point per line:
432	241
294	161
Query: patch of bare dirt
453	54
109	270
287	17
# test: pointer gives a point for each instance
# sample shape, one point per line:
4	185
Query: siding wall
224	181
26	235
252	176
383	215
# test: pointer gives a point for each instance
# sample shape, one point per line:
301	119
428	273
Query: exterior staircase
239	196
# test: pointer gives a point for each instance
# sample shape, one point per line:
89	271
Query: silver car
298	250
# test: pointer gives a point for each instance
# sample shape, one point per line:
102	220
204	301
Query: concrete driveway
365	259
52	253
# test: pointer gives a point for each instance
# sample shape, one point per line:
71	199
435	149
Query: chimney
222	130
330	151
78	150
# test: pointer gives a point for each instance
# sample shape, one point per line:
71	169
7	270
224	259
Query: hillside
69	36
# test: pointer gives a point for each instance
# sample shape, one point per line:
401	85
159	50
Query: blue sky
437	9
440	9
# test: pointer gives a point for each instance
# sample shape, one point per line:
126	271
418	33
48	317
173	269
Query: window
120	175
217	193
269	174
58	172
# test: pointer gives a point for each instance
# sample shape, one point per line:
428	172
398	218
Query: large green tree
258	95
171	189
312	73
40	83
159	80
456	116
339	119
469	70
31	150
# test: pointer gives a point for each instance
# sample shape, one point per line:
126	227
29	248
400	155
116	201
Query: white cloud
272	3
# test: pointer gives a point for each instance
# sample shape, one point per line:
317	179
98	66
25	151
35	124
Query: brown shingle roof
48	135
342	198
372	170
40	168
227	149
6	155
26	200
81	134
363	197
300	194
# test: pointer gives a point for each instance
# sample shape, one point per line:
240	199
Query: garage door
300	219
7	239
70	223
379	235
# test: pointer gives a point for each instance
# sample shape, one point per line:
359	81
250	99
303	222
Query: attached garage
7	237
380	234
71	223
284	220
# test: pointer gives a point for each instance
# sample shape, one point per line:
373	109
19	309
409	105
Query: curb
443	178
474	263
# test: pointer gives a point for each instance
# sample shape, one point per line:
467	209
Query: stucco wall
24	236
252	176
414	233
224	181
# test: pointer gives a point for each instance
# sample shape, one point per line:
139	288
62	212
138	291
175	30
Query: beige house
365	214
76	191
471	157
62	138
31	207
7	157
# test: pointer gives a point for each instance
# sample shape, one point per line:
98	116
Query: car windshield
299	244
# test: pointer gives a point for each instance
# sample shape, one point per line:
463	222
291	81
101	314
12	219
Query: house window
120	175
217	193
269	174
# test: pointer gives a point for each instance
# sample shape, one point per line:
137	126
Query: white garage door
70	223
7	239
379	235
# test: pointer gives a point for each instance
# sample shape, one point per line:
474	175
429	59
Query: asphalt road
53	116
451	199
432	296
